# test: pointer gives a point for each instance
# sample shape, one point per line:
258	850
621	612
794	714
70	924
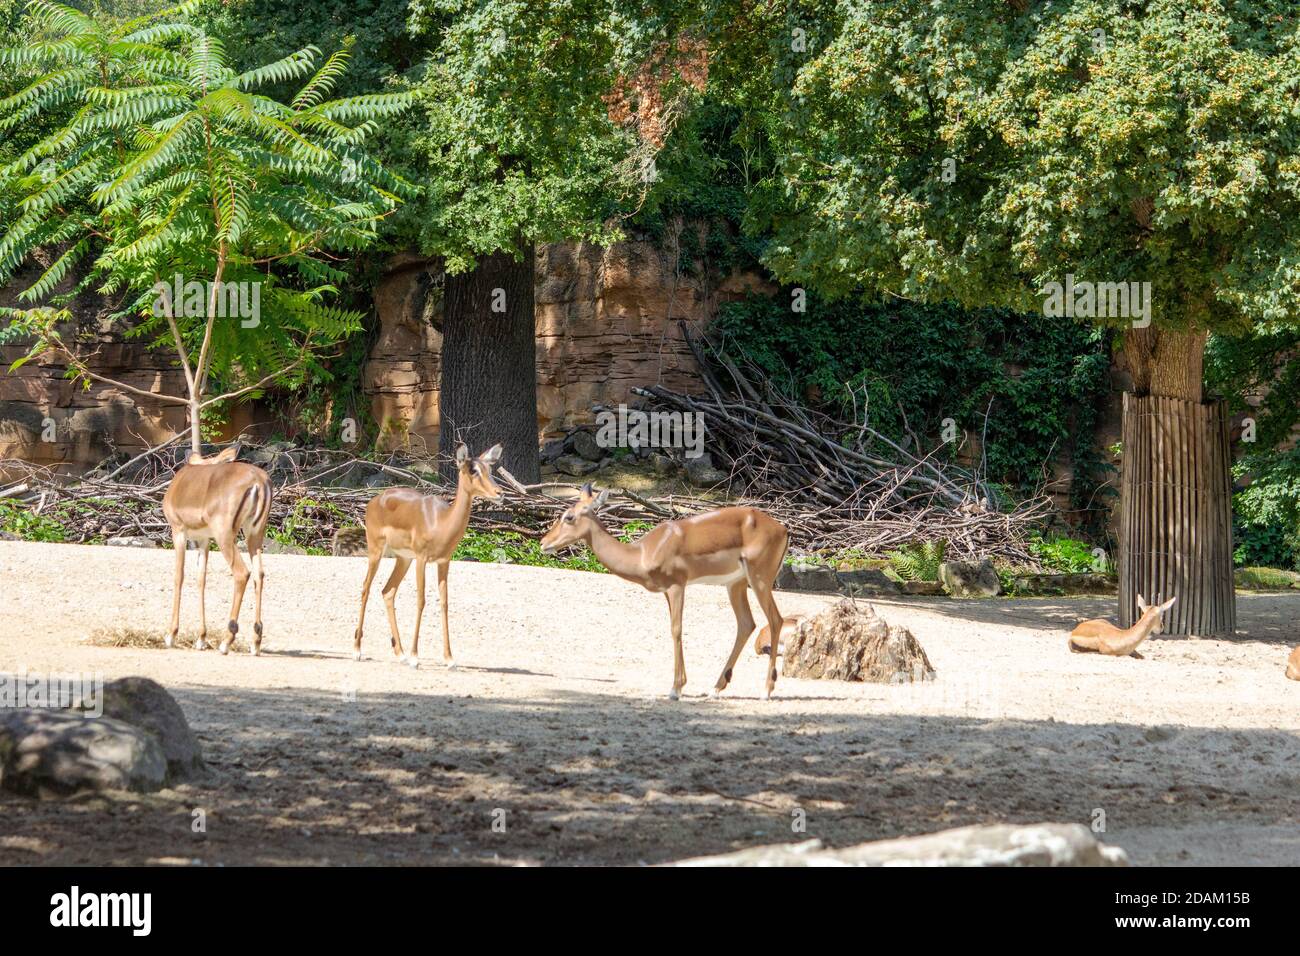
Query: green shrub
918	562
17	518
1266	515
1065	555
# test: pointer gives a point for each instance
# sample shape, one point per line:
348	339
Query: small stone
584	445
807	577
700	471
867	581
574	466
133	541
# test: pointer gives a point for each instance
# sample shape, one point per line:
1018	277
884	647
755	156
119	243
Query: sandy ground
553	743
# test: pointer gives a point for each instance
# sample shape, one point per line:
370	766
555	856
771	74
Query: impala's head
575	524
1148	610
476	473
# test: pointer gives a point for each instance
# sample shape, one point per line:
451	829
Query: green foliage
918	561
1063	555
164	161
1142	141
17	518
905	367
1266	514
1266	579
510	547
1262	363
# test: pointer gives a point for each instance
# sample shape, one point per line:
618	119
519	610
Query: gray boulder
1039	844
807	577
574	466
970	579
146	705
584	445
867	582
51	753
133	541
701	471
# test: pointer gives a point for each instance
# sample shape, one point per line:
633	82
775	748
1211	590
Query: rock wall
607	320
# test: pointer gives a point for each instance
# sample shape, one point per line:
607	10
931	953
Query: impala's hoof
169	640
715	693
356	655
225	649
255	651
199	645
451	664
674	695
413	663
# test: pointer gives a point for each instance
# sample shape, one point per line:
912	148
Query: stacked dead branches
835	485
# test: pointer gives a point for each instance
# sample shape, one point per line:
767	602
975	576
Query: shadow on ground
308	777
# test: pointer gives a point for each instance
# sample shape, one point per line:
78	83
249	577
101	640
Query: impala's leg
203	588
390	601
374	552
420	562
226	542
178	543
259	577
738	591
443	566
763	591
676	598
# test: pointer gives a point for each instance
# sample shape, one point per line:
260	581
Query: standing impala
739	547
217	498
419	527
1104	637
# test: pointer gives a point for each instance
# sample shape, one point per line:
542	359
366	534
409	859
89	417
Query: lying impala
1105	638
414	526
1293	664
739	547
215	499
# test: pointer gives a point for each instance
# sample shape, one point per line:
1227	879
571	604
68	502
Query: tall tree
540	124
981	152
207	208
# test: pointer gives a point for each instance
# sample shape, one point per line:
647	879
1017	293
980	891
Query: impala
1293	664
1106	638
422	528
739	547
215	499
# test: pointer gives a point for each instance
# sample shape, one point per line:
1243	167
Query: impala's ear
462	454
1142	604
1168	604
586	492
226	454
491	456
600	500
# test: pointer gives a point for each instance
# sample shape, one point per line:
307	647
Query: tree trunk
1175	536
489	364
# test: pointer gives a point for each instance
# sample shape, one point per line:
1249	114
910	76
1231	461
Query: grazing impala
414	526
215	499
739	547
1105	638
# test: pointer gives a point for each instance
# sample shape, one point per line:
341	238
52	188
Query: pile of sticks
835	485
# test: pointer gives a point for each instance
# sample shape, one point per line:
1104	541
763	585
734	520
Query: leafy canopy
163	161
1139	141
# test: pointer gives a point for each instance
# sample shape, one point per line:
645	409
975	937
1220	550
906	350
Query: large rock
146	705
851	642
574	466
584	445
702	472
970	579
1039	844
867	581
52	753
816	578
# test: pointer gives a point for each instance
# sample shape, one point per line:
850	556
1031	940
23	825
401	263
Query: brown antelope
762	639
215	499
414	526
1293	664
738	547
1105	638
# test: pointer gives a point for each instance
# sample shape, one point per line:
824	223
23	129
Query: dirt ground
552	743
